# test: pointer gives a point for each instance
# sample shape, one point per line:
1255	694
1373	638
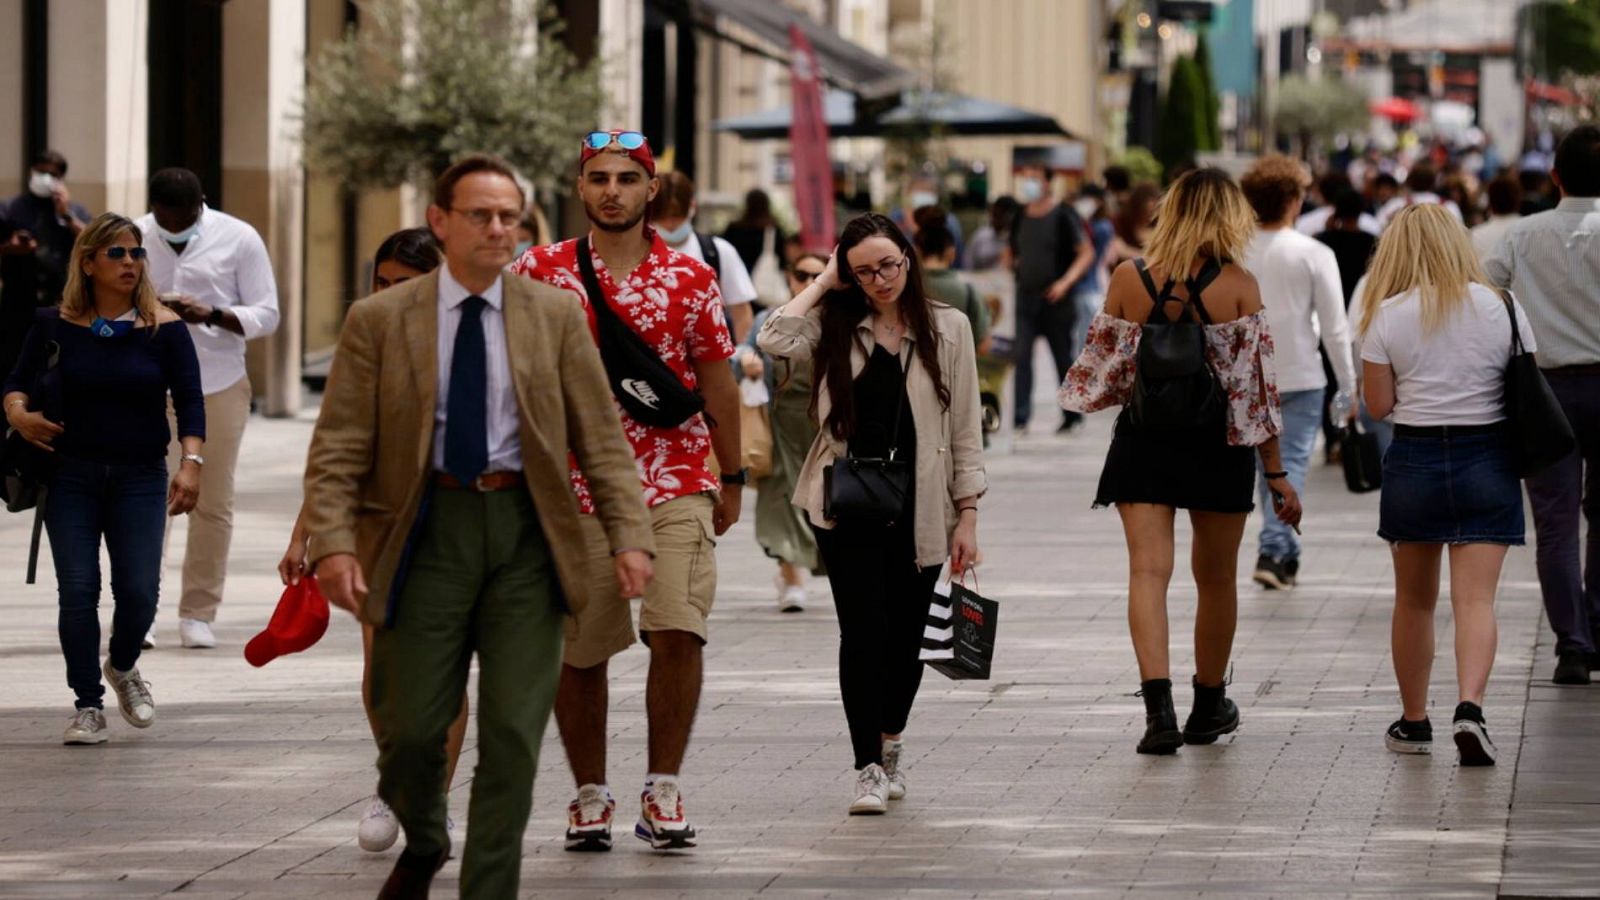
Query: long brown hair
843	310
77	298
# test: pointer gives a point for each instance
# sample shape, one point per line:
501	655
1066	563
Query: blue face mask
523	247
678	235
108	328
180	237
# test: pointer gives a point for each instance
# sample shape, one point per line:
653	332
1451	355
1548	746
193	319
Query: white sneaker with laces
872	792
589	820
892	770
149	642
379	829
792	598
88	727
196	635
133	695
661	819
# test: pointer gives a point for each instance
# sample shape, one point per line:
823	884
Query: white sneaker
133	695
88	727
589	820
872	792
149	642
379	829
661	819
196	635
892	770
792	598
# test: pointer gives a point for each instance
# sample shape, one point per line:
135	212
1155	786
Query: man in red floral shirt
673	302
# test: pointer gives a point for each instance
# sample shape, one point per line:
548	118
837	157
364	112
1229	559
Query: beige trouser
205	560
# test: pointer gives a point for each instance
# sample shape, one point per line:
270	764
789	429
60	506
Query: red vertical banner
808	144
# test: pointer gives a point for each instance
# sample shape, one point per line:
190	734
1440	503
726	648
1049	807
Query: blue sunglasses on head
627	140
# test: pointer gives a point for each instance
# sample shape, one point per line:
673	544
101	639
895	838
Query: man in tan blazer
439	509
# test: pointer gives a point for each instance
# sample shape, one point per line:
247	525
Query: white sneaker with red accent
589	820
661	818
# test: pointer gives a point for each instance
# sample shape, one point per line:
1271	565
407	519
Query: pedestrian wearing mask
1436	339
119	356
895	378
212	270
37	230
1198	455
672	212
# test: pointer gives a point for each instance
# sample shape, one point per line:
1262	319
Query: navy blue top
114	390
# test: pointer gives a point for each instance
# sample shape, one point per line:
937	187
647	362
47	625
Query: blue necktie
466	427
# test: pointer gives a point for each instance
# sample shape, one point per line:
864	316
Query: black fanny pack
649	391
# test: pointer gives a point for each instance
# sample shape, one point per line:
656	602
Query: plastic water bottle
1339	408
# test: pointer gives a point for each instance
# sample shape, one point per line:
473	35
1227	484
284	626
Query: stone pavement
250	783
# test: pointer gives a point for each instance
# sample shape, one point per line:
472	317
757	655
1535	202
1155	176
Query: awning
844	64
838	108
955	113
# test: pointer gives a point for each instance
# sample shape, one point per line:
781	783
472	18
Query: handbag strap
1517	348
899	404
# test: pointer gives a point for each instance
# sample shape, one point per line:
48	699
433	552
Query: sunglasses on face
116	254
600	140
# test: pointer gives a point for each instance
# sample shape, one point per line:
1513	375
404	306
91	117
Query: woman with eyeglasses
118	354
408	253
895	379
781	527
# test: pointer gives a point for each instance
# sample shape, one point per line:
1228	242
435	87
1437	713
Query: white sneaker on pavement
661	818
379	829
589	820
133	695
196	635
791	598
149	642
88	727
892	770
872	792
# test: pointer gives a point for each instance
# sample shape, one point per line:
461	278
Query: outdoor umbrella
1397	109
956	113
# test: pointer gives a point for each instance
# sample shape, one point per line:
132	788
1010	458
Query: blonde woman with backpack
1183	348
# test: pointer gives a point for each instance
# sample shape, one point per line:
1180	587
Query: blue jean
127	505
1302	419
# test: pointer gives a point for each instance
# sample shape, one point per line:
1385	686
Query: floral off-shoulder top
1240	352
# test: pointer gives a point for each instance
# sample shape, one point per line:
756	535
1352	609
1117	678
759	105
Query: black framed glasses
482	217
600	140
886	272
117	254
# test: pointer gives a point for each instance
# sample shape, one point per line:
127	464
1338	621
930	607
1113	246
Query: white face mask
1029	189
919	199
42	184
179	237
1085	207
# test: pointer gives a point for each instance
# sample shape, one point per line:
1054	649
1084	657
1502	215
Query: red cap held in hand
297	623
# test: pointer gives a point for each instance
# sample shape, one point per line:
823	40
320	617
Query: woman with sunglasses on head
118	354
404	255
895	379
781	527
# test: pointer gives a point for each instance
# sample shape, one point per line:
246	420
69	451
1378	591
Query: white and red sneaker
589	820
661	819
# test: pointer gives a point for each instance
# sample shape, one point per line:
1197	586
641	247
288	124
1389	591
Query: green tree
1212	107
1141	165
1317	110
1559	38
422	82
1182	127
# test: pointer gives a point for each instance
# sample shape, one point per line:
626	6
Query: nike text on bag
649	391
1173	385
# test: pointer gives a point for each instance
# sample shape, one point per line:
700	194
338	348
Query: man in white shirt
1304	304
1551	261
672	214
1418	189
1505	204
1329	187
211	269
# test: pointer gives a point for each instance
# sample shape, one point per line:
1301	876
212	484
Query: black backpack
1173	385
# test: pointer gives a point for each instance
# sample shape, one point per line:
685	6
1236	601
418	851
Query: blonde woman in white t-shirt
1435	343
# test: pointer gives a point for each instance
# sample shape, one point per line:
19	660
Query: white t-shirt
1304	303
1454	375
735	280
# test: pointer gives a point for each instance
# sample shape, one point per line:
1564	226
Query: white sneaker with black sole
661	820
872	792
1472	738
589	820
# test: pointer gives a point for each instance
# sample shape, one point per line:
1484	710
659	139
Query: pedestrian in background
212	270
989	242
120	355
762	246
1419	188
1436	339
1505	201
1551	261
1352	247
936	249
1206	468
37	230
1133	224
895	378
408	253
1299	279
672	213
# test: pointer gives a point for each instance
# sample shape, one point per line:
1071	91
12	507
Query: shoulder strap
591	282
1197	285
708	249
1517	348
1160	298
900	402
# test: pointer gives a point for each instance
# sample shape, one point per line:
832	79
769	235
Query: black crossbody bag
649	391
869	489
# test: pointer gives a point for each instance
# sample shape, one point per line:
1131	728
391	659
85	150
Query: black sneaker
1572	667
1275	574
1409	737
1472	739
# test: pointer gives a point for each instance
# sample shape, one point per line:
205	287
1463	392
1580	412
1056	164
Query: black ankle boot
1214	715
1161	735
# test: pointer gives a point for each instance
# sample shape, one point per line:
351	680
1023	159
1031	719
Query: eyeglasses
887	272
804	277
116	254
482	217
600	140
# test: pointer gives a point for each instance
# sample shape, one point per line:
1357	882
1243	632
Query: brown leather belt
488	481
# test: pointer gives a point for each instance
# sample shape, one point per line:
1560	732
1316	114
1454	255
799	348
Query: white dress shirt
734	278
225	264
500	397
1315	222
1487	236
1551	261
1304	302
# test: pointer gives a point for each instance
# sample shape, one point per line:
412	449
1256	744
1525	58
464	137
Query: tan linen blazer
949	441
370	460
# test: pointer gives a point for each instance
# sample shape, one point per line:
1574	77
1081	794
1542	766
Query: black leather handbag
1538	429
869	489
1363	464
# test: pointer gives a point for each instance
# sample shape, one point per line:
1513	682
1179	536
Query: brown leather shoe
412	875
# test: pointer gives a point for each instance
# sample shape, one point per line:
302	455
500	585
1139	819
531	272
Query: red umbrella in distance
1396	109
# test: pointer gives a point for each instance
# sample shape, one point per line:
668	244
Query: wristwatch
215	317
741	477
195	458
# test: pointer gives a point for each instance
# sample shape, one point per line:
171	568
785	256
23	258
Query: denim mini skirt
1457	489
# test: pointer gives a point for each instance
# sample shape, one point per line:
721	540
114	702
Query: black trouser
1055	322
1569	577
882	600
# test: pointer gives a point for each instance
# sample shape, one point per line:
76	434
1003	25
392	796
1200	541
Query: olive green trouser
481	580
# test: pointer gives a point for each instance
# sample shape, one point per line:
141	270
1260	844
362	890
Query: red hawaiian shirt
674	303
